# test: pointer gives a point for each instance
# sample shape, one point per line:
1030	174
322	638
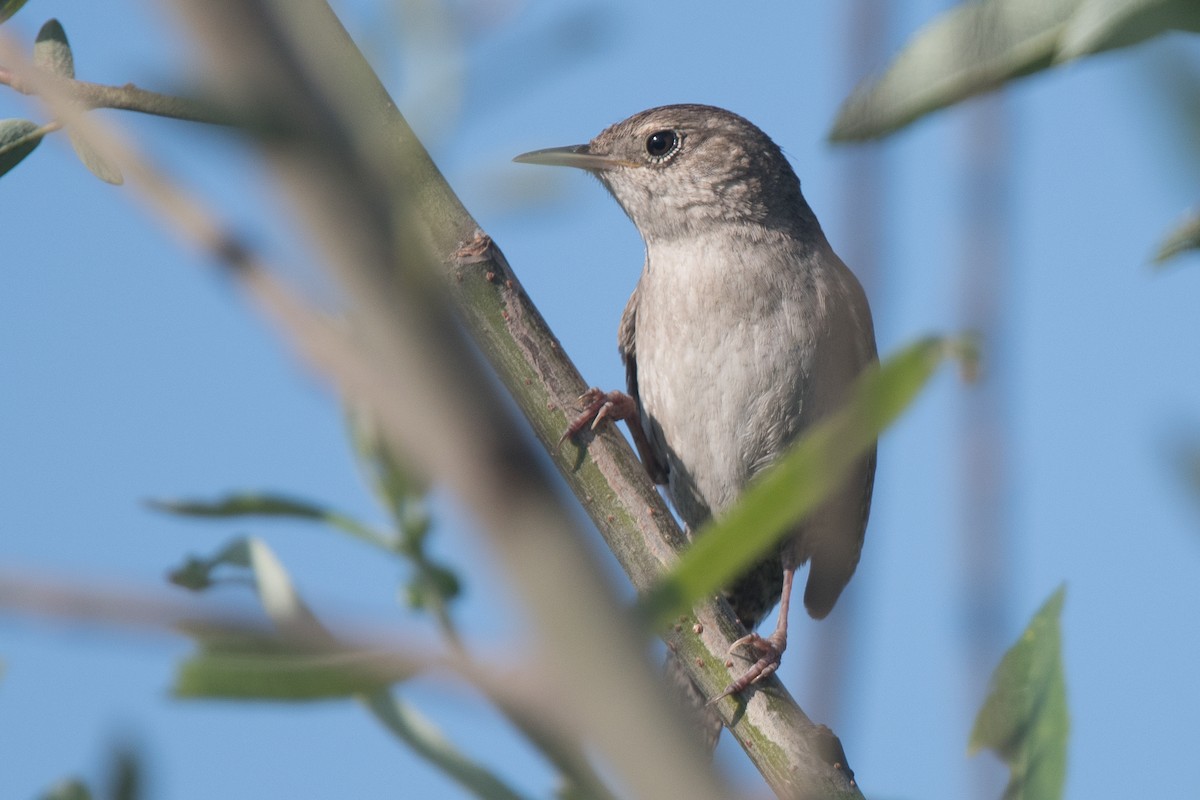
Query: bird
745	328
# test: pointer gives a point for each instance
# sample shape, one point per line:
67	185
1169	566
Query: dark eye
661	144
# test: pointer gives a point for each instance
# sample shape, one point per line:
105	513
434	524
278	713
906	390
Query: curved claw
599	406
771	650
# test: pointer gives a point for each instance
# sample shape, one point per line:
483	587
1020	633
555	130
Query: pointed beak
579	156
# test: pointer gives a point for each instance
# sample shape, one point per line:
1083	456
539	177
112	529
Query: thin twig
126	98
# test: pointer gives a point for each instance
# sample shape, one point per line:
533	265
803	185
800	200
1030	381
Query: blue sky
131	371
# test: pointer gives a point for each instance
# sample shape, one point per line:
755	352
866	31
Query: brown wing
835	557
654	461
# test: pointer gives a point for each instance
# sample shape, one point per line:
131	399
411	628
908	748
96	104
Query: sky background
130	370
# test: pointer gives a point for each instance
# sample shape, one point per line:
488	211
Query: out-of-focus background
129	371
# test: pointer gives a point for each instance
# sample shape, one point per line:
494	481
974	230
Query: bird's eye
661	144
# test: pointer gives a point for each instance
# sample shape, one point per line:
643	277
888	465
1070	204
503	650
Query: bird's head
678	170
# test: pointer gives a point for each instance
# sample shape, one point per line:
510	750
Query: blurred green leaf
248	667
411	727
302	662
1184	238
396	485
272	505
1024	719
431	584
125	774
279	598
244	505
1101	25
123	781
17	140
978	46
68	789
971	48
402	493
795	486
52	52
195	575
10	7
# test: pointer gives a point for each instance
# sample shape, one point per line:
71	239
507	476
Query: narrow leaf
1107	24
52	52
1024	719
279	597
272	505
411	727
796	485
402	492
283	604
240	505
972	48
18	138
394	482
1184	238
242	666
10	7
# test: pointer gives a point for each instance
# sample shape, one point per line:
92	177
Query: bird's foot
770	655
599	406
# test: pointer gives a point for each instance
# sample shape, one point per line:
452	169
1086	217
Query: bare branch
125	98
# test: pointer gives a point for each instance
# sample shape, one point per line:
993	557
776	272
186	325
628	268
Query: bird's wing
652	457
835	556
834	533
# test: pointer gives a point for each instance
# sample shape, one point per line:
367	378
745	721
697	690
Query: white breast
738	349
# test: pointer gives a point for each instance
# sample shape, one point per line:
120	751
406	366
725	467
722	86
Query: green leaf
272	505
300	661
1024	719
972	48
1101	25
411	727
402	492
796	485
125	779
68	789
18	138
431	584
279	598
52	52
1184	238
395	484
976	47
261	667
10	7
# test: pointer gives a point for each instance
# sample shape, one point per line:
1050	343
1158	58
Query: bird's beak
579	156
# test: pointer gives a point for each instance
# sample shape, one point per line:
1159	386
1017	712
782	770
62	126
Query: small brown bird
744	329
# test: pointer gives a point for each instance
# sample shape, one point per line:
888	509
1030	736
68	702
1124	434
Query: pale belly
723	386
